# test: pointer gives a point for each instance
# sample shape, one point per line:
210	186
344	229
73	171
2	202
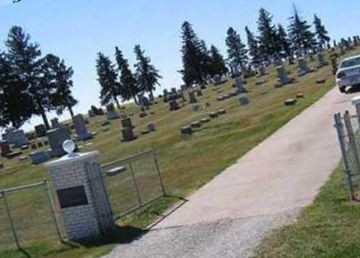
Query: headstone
56	138
221	111
186	130
151	127
38	157
4	148
91	113
320	60
262	70
303	67
195	107
166	95
283	77
299	95
199	92
81	131
205	120
243	100
111	112
174	105
213	114
126	123
128	134
320	81
16	137
40	130
55	123
13	154
239	85
196	124
192	98
290	102
83	199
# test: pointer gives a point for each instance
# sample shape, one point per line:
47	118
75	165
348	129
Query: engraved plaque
71	197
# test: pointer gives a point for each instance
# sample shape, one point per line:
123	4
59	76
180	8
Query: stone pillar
56	138
356	102
83	198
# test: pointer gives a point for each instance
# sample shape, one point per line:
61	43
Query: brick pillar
83	199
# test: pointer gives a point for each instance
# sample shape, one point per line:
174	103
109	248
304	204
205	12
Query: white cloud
5	2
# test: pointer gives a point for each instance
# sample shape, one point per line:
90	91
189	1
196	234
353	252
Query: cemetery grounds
186	162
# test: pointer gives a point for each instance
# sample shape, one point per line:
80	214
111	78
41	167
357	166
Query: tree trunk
71	112
151	96
44	117
117	103
135	99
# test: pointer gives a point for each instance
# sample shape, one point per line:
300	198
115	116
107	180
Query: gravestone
195	107
38	157
16	137
91	113
192	98
321	60
81	131
290	102
239	85
196	124
56	138
243	100
55	123
111	112
173	105
128	134
199	92
186	130
83	199
262	70
33	146
4	148
166	96
126	123
40	130
303	67
151	127
283	77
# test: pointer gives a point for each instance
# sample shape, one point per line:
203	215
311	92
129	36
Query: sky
76	30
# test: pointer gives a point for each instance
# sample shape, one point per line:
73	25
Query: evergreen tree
107	77
267	34
26	61
15	102
237	53
60	81
300	35
283	41
128	87
321	32
193	59
254	50
147	76
216	63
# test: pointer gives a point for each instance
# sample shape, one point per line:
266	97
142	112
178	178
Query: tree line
272	43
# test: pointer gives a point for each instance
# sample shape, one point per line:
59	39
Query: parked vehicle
348	73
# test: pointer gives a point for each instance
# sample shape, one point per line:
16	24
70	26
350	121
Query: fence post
340	132
352	139
135	183
159	173
52	209
8	214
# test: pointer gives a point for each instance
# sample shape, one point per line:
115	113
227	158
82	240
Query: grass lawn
330	227
187	163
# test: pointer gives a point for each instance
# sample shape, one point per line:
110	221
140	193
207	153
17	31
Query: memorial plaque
71	197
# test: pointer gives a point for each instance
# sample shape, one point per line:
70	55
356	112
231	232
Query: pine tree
192	56
26	61
216	63
283	41
300	35
15	102
321	32
267	34
237	53
107	77
60	81
128	88
254	50
147	76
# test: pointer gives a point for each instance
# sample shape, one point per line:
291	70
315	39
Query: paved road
265	188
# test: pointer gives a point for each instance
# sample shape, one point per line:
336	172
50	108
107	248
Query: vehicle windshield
350	62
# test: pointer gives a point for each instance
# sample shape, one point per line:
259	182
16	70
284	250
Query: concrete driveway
229	215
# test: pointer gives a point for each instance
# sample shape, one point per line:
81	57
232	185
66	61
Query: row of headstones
189	129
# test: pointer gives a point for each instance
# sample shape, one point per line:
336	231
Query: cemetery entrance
133	182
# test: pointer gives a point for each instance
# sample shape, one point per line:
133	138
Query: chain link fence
133	182
349	139
27	214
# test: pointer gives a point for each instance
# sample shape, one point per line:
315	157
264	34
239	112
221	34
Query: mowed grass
330	227
187	163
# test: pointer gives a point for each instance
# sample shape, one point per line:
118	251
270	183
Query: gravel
224	238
